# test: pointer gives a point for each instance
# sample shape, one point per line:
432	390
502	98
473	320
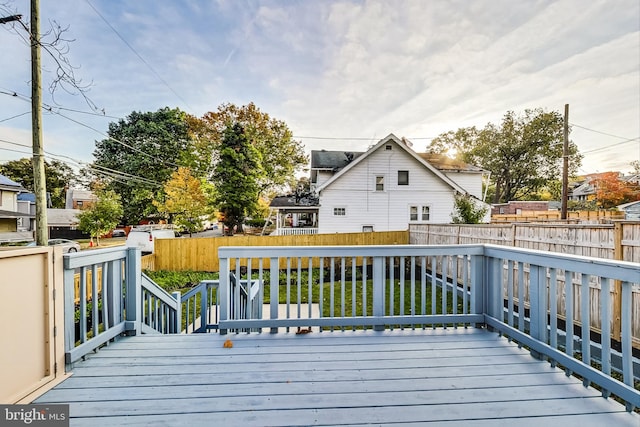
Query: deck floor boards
450	377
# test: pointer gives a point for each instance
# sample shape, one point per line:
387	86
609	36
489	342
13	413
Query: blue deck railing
526	295
123	300
539	299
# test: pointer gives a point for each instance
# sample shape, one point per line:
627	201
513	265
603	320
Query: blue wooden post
538	305
274	297
478	284
176	326
223	292
69	310
378	290
133	297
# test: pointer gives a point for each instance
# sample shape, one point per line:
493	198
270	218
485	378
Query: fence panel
201	254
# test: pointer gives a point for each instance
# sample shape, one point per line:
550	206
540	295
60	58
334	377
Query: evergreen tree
236	178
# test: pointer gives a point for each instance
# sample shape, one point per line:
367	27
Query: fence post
133	297
617	285
378	290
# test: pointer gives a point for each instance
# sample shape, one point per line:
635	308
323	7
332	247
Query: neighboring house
63	224
631	210
386	188
10	215
77	199
27	205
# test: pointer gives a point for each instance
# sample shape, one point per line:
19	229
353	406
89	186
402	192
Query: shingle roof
446	163
335	160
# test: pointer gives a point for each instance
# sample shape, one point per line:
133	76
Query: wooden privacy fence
619	241
572	216
201	254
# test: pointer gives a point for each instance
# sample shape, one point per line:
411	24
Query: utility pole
39	180
565	165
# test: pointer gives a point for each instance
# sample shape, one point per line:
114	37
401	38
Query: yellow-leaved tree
185	200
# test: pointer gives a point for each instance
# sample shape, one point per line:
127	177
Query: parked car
143	238
68	246
118	232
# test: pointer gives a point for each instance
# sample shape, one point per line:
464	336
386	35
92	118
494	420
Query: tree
58	177
280	155
140	155
523	153
467	211
611	191
102	216
185	200
235	178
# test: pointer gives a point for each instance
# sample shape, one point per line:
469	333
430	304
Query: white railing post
133	297
223	292
378	290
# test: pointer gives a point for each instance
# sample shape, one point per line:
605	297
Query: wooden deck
453	377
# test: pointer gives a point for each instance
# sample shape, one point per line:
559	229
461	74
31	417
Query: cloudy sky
341	74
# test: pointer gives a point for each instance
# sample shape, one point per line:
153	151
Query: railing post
378	290
274	290
478	285
223	292
133	296
538	305
177	321
69	309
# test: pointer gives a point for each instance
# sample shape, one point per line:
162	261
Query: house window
339	211
367	228
413	213
425	213
79	204
419	213
388	147
379	183
403	177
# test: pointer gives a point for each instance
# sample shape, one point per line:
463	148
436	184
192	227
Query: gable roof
403	145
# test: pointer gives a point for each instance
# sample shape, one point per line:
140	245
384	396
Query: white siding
389	209
8	200
470	181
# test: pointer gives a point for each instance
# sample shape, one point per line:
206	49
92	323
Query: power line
16	116
138	55
602	133
611	145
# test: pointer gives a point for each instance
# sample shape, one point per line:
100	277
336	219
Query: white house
390	186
